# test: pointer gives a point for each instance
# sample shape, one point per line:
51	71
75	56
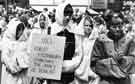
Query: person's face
97	24
116	29
10	8
87	27
68	11
19	31
42	21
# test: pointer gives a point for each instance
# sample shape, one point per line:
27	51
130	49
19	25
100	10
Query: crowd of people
100	48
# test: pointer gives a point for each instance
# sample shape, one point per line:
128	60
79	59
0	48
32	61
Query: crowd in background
31	15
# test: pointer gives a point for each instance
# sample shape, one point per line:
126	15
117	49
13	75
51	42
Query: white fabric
55	28
36	25
71	65
58	25
79	29
37	31
132	77
14	52
9	47
60	12
91	11
68	65
84	71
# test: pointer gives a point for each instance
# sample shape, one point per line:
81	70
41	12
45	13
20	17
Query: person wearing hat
113	53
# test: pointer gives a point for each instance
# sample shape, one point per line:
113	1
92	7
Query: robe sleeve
8	58
71	65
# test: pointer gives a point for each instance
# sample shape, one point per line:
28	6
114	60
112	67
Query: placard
46	56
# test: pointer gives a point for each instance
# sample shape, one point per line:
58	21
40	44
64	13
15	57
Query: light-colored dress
14	56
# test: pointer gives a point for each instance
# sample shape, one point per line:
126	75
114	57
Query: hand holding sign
46	56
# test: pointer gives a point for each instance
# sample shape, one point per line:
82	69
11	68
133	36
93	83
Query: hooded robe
73	49
84	74
14	55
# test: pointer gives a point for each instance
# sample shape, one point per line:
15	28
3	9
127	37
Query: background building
40	4
95	4
20	3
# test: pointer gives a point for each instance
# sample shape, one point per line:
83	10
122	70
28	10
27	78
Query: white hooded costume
69	65
37	28
84	73
14	56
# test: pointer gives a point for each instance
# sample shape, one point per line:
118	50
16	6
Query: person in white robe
84	74
73	50
41	27
14	54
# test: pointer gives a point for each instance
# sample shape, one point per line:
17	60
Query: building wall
56	2
22	3
40	4
116	5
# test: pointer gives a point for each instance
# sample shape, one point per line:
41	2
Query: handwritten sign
46	56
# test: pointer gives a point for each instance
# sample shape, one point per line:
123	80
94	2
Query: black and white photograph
67	41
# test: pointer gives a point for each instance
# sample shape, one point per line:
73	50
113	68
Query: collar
57	28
